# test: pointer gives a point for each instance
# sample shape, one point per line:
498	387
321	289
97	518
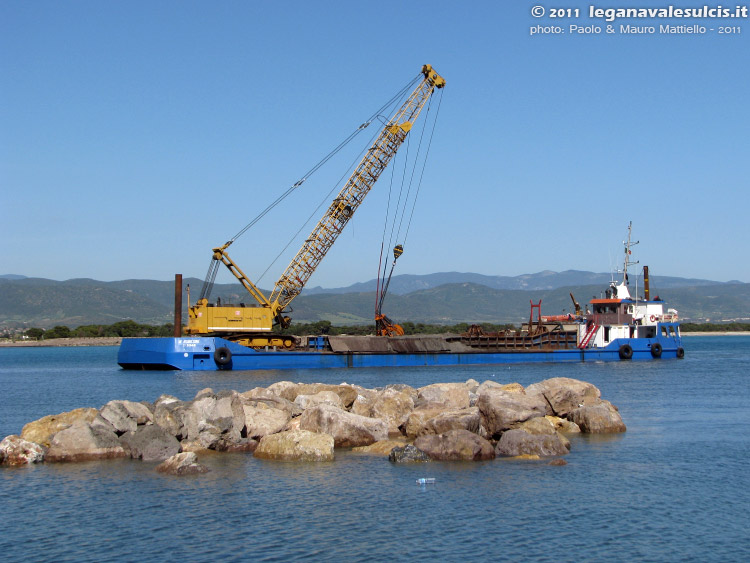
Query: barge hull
214	353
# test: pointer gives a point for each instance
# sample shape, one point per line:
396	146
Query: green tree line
122	329
708	327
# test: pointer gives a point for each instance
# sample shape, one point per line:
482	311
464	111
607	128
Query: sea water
675	486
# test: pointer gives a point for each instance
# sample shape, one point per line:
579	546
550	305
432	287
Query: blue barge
212	353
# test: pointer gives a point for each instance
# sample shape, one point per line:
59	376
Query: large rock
169	414
261	419
150	443
82	442
564	394
383	447
466	419
455	445
181	464
319	398
601	418
418	418
563	425
449	395
43	430
289	391
502	410
407	454
348	430
509	387
14	450
215	420
346	393
296	445
537	436
391	405
260	397
125	416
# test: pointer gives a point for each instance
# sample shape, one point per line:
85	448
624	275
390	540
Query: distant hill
408	283
46	303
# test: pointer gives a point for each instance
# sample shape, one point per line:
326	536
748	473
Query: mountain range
441	298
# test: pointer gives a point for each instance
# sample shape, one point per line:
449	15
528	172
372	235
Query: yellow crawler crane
253	326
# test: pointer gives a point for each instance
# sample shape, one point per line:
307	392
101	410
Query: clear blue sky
135	136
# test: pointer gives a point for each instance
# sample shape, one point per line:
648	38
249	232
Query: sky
136	136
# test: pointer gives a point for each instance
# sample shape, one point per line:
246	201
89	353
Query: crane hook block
398	250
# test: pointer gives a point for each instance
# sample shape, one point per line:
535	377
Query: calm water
676	486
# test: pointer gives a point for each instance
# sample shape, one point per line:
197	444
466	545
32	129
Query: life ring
656	350
626	352
680	352
223	356
653	318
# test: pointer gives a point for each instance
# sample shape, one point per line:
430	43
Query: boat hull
214	353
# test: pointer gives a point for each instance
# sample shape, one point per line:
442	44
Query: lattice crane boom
341	210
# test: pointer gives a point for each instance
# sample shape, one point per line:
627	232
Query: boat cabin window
664	331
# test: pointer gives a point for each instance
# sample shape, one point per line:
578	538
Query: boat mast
628	243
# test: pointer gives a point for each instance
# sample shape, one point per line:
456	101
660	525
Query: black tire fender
680	352
626	352
656	350
223	356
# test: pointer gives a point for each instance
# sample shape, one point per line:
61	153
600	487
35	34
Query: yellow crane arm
338	214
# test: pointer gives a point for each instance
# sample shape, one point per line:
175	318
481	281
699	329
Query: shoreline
64	342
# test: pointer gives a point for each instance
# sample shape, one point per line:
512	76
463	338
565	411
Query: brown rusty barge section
455	343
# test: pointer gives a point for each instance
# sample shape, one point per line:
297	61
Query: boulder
449	395
418	418
564	394
43	430
601	418
393	406
261	419
185	463
82	442
321	397
563	425
534	437
14	450
382	447
169	414
125	416
502	410
260	397
455	445
284	389
215	421
296	445
467	419
346	393
150	443
347	429
407	454
363	403
509	387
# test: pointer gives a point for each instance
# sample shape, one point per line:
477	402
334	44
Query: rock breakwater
307	422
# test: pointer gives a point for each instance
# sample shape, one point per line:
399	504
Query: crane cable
213	267
383	284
